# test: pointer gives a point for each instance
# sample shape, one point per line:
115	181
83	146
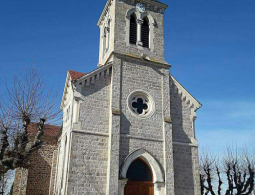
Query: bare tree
236	172
27	100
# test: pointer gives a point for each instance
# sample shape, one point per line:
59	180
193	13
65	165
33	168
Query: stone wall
94	109
89	150
186	165
186	170
122	44
182	123
60	179
141	76
104	54
20	182
88	164
53	172
146	133
129	145
119	31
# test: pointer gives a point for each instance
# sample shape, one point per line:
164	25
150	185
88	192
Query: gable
193	102
71	77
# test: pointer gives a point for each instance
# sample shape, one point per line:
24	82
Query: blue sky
211	45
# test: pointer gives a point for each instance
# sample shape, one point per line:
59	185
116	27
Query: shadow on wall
183	159
180	123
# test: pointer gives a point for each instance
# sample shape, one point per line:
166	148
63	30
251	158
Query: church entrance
140	179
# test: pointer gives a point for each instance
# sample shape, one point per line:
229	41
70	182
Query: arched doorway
140	179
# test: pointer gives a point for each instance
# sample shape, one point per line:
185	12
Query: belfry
129	124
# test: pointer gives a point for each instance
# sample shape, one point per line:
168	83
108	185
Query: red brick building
37	179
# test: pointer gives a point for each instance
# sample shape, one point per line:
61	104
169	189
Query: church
129	125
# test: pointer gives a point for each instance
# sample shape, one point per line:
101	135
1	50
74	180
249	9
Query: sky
210	45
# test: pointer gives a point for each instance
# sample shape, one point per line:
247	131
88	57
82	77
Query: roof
75	75
49	130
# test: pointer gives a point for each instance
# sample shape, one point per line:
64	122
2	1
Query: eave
94	75
68	78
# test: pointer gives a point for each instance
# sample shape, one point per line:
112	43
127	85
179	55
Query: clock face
140	7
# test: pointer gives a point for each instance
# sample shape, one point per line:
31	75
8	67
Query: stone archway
157	171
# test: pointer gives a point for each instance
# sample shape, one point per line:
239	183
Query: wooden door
139	188
140	179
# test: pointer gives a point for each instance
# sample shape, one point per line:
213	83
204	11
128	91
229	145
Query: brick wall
36	179
39	172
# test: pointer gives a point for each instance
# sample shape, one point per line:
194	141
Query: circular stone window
141	104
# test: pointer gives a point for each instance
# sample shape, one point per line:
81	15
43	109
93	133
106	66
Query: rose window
141	104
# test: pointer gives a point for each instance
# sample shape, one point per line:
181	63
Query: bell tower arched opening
145	34
133	29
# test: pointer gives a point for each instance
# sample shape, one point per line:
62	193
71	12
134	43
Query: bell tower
131	125
132	27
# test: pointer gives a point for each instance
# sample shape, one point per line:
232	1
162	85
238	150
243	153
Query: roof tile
75	75
49	130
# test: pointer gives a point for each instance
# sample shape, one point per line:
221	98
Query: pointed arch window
145	33
133	30
139	171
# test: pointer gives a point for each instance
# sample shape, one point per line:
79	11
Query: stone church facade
128	125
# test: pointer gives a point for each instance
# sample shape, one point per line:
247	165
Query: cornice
186	144
154	3
165	65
